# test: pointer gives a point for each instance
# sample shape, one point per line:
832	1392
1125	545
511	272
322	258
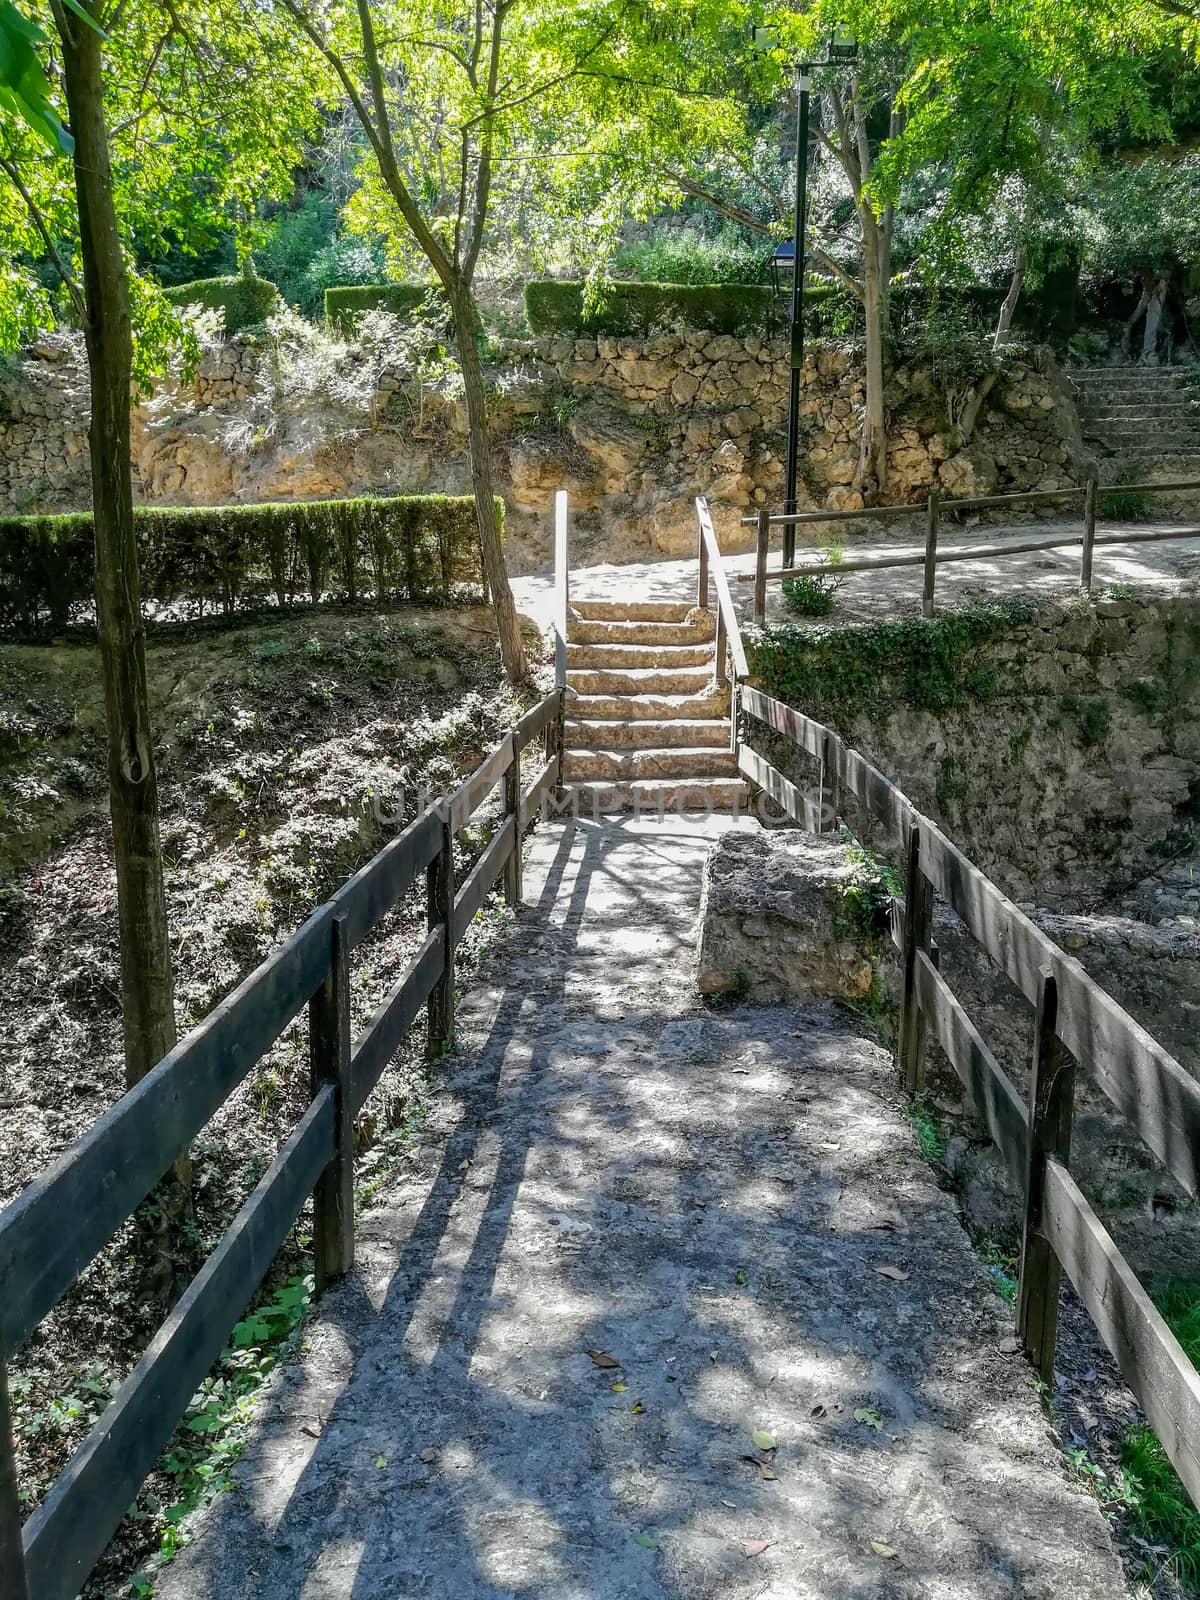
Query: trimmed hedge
635	310
226	557
243	301
345	304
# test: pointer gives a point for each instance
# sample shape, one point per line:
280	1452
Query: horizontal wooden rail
67	1534
966	552
784	793
98	1183
1155	1365
993	1094
106	1174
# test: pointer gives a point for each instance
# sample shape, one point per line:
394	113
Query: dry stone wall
634	429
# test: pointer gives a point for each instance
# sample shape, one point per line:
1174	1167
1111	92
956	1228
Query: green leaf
647	1541
763	1440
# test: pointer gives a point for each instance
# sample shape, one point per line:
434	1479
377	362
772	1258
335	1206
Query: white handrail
561	589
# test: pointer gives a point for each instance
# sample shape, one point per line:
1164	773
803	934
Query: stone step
639	655
668	764
1134	370
1134	411
688	732
1157	438
695	798
632	610
639	680
698	628
650	707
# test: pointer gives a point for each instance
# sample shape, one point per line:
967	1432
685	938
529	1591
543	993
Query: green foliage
232	556
636	310
815	595
688	255
305	253
1160	1510
837	675
1003	1264
1091	714
931	1135
345	304
243	301
24	87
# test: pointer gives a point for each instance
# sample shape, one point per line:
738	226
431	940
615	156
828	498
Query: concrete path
730	1205
896	591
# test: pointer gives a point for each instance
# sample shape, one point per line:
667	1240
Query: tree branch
834	269
11	171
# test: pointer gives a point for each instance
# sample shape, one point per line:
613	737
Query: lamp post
841	47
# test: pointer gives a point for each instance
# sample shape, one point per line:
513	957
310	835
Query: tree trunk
1009	307
147	990
1132	322
512	649
871	475
1155	304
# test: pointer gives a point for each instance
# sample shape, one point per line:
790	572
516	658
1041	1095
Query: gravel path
730	1205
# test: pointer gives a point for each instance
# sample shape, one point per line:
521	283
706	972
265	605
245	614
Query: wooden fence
65	1217
934	556
1076	1022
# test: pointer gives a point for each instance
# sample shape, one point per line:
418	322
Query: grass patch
930	1131
1003	1263
1159	1509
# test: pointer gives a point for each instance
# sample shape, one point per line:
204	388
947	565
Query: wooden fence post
558	732
760	565
512	808
830	797
1090	497
1051	1097
702	579
14	1583
439	899
934	512
329	1062
722	648
918	919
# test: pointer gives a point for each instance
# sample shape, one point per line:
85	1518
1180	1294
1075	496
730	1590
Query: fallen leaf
763	1440
647	1541
754	1547
819	1410
1010	1346
869	1418
638	1408
896	1274
764	1467
601	1358
712	1355
429	1454
741	1277
619	1388
381	1462
884	1550
313	1433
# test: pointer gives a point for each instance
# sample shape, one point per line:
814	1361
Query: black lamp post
841	47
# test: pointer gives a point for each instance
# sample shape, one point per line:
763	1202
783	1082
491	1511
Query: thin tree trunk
147	990
1008	309
512	648
872	455
1132	322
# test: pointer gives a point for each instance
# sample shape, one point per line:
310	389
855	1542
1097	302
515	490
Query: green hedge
244	301
226	557
345	304
635	310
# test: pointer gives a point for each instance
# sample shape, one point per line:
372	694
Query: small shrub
815	595
244	302
686	255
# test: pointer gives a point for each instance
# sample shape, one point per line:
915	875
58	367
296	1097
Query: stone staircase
647	725
1145	414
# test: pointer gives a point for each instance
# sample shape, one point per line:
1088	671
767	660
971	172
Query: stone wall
1064	755
634	429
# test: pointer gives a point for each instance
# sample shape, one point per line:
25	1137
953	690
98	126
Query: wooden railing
562	591
730	652
65	1217
932	557
1077	1021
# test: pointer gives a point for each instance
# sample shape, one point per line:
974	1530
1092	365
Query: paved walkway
896	591
729	1209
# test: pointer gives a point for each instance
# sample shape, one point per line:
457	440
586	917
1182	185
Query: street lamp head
843	46
764	35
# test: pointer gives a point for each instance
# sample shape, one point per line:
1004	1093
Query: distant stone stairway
1145	414
647	724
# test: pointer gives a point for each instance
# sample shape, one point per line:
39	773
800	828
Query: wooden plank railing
1078	1021
933	509
65	1217
730	652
